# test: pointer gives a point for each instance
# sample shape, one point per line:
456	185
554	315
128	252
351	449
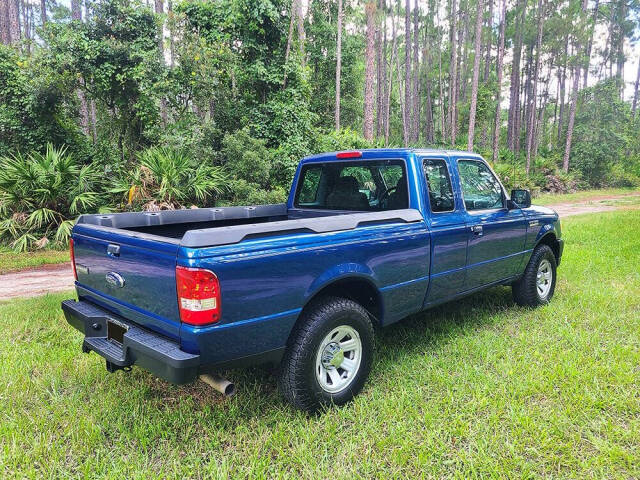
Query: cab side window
480	188
439	185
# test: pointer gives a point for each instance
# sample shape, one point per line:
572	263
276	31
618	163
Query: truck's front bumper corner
135	346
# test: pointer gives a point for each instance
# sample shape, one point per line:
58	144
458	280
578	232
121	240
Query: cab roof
381	153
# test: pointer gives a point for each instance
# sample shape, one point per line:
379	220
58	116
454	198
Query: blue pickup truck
365	239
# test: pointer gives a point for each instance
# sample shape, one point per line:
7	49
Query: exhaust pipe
222	385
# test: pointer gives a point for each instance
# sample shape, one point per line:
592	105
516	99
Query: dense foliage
120	106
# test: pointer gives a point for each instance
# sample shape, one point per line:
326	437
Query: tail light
198	295
73	258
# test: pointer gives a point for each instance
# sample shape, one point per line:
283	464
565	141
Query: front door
496	234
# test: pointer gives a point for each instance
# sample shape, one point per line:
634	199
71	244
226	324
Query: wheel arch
551	240
358	288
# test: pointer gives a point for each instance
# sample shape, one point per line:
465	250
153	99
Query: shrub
167	179
247	193
622	178
247	158
41	194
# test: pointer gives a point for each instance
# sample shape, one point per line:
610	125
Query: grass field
11	261
479	388
581	196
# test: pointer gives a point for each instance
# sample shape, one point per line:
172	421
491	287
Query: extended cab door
449	234
496	234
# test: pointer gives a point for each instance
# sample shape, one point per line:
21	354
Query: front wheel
329	355
537	284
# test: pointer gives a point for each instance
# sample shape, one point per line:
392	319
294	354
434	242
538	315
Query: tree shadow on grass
417	334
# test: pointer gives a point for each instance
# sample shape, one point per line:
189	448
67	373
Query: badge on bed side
114	279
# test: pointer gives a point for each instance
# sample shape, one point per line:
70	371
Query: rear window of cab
355	186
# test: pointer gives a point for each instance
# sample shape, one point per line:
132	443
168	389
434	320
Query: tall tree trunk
287	52
159	7
620	46
526	104
379	85
43	12
635	91
415	101
385	86
5	32
338	65
540	131
14	21
453	74
532	111
487	69
476	75
562	87
427	57
407	73
487	62
587	60
572	117
76	10
514	97
370	11
76	15
574	106
463	56
301	33
394	54
496	131
171	24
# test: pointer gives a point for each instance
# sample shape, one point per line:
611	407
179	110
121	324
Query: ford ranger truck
365	239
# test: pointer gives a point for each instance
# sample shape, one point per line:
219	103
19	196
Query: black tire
297	380
525	291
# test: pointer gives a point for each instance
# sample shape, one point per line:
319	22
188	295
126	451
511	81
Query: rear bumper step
138	346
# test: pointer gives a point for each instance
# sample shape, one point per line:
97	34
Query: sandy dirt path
591	205
56	278
36	281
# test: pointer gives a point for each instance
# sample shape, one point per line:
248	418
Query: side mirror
522	198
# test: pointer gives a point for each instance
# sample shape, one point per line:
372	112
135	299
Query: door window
480	188
438	184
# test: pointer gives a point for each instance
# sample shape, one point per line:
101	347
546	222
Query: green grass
581	196
11	261
478	388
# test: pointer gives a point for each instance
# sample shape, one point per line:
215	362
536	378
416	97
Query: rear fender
337	273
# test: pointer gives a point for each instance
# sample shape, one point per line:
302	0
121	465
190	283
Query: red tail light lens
198	295
354	154
73	258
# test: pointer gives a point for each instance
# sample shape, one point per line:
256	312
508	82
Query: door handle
477	229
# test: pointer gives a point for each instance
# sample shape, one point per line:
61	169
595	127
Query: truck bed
204	227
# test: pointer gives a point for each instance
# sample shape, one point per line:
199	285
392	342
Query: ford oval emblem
115	279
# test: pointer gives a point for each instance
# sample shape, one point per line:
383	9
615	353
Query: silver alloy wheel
338	359
544	278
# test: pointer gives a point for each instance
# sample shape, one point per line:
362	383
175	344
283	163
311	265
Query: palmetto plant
41	194
167	178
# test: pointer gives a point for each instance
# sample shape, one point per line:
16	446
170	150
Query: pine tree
532	110
500	59
370	11
338	65
476	75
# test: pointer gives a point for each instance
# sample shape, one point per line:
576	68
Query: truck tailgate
134	277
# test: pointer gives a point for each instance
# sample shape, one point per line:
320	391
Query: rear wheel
538	283
329	355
